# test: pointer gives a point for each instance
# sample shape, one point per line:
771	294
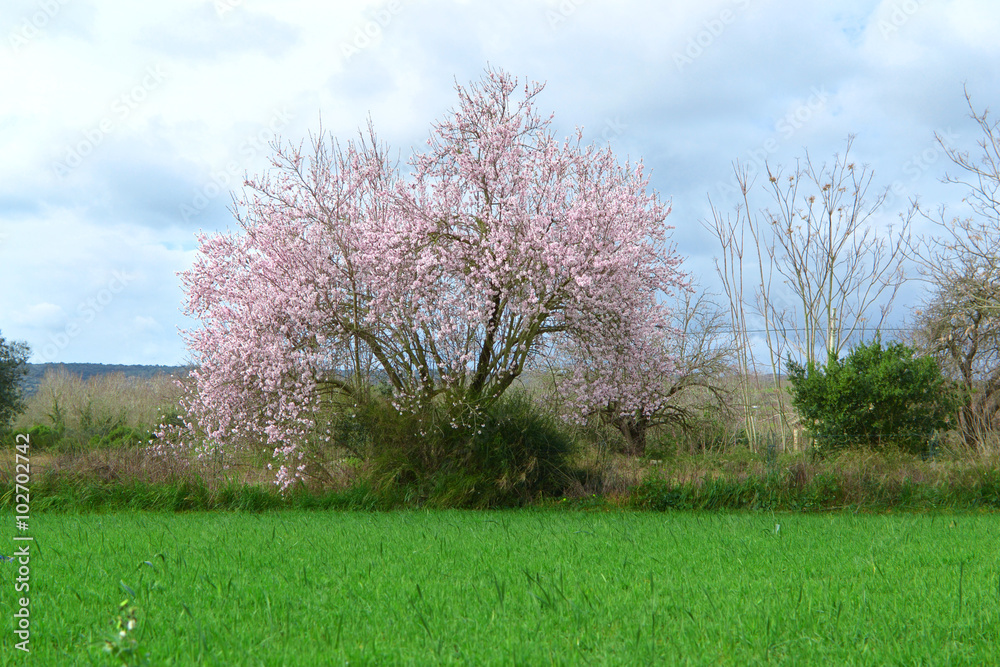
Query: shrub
121	436
506	455
875	397
43	437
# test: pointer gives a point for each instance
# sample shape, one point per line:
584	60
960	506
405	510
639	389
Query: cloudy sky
125	125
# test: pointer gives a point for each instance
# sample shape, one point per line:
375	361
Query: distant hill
37	371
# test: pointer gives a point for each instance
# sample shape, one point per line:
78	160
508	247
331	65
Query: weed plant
91	456
870	482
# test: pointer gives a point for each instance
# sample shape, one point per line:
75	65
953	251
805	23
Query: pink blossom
498	244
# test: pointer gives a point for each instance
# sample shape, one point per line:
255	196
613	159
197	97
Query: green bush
121	436
43	437
507	455
63	440
874	398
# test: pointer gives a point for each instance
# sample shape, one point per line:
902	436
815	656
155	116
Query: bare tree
959	326
844	270
731	229
960	322
838	272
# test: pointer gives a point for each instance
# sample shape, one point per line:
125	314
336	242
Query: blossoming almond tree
447	280
664	375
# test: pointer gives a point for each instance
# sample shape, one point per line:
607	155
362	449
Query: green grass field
519	587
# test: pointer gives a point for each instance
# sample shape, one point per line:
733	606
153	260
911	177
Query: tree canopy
13	359
496	245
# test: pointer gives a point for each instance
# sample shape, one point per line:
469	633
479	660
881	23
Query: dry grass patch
64	399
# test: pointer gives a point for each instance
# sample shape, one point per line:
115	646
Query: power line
802	329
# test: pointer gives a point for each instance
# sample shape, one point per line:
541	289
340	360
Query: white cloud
892	71
41	315
142	324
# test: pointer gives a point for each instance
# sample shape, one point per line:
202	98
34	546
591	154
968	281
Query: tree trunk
634	431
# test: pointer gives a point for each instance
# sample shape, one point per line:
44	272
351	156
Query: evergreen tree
13	359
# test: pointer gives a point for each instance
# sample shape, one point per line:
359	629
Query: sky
125	126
